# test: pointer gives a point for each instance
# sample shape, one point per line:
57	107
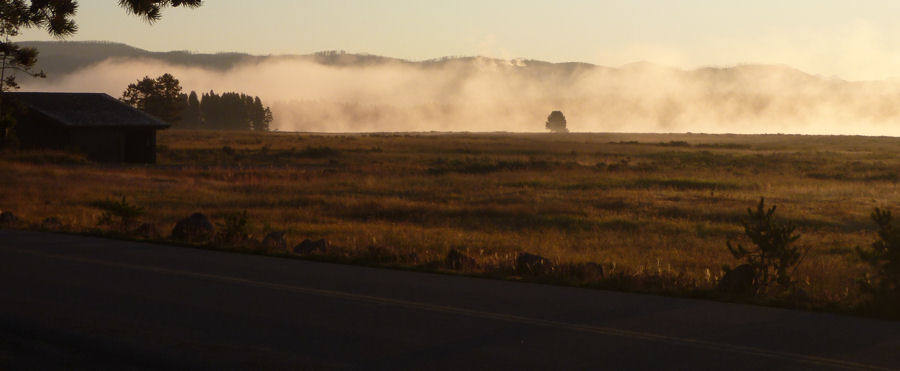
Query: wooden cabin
96	124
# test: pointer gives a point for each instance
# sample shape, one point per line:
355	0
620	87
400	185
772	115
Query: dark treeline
162	97
228	111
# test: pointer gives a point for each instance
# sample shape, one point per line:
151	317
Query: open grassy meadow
655	211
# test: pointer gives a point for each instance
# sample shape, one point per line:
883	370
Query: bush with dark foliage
884	257
773	257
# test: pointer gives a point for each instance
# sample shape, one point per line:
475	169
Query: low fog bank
480	94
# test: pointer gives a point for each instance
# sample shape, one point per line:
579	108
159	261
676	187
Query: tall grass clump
120	215
236	228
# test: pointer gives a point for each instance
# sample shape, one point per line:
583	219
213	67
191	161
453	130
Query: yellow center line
636	335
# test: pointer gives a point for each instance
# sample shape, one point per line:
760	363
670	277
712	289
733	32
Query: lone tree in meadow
160	97
556	122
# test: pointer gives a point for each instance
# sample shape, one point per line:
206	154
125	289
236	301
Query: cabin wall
105	145
101	144
37	131
116	144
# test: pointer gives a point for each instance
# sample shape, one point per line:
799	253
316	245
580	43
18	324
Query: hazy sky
851	39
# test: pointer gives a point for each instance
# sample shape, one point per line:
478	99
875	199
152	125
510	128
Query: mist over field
350	93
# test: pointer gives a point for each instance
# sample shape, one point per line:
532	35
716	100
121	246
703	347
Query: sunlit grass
654	210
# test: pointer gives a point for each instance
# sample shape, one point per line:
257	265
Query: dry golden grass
655	210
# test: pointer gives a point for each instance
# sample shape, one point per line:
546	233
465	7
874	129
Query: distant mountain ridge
59	58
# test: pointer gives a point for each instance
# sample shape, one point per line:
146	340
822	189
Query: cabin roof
87	110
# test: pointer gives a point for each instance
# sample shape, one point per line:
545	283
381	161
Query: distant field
654	210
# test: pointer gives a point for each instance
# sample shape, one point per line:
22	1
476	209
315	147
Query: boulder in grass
587	271
593	269
52	224
409	258
379	254
740	280
458	261
195	228
309	247
799	295
8	219
250	244
533	265
275	241
147	231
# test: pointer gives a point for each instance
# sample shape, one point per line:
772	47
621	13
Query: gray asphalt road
76	302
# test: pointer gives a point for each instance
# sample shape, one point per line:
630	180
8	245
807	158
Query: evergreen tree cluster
228	111
162	97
